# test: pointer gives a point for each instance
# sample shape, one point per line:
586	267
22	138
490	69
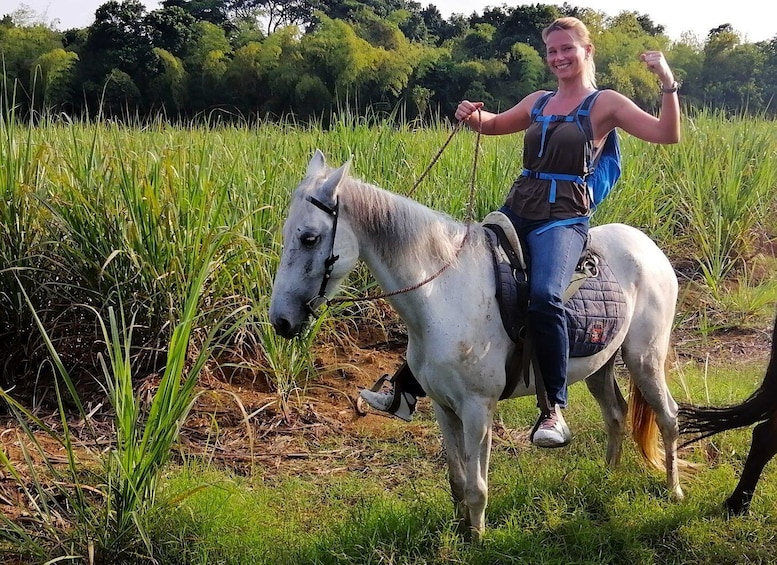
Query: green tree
213	11
52	75
730	71
281	13
337	56
208	37
120	95
172	29
248	28
379	32
206	63
686	58
768	76
438	30
117	40
527	69
522	24
450	81
619	44
286	66
20	48
476	43
246	78
169	89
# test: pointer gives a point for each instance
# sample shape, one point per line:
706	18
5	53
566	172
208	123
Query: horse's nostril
283	328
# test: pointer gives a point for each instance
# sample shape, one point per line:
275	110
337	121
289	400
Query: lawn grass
545	506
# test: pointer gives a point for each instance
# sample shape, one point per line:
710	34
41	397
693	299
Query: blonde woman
550	203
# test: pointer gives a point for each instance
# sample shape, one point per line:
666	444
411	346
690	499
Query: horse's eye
309	240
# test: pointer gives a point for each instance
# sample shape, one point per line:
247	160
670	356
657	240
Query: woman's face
565	54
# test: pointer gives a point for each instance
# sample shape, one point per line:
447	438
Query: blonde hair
580	31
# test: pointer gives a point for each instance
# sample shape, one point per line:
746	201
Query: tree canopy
263	59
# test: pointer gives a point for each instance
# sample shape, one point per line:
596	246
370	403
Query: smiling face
566	54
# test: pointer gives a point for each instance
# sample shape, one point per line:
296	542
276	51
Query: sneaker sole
551	445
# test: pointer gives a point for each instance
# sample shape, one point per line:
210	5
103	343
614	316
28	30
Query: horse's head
319	248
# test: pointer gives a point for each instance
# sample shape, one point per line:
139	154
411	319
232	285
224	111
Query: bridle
316	304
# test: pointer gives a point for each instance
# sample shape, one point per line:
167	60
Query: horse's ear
317	163
333	181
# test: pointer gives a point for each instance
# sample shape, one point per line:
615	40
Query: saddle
594	300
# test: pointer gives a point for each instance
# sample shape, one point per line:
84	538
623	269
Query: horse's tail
644	429
704	421
646	434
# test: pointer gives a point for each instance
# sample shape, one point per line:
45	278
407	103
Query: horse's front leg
477	417
453	439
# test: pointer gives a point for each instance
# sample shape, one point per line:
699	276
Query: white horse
458	348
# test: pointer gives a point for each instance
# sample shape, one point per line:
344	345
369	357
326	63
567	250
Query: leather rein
316	304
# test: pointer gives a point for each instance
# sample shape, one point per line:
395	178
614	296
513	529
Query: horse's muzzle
285	328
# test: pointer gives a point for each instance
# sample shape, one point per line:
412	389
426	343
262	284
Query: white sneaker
384	400
551	430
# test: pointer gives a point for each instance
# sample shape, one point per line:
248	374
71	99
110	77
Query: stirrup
397	398
403	403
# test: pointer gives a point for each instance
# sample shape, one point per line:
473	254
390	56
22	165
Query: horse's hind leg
646	365
613	406
762	448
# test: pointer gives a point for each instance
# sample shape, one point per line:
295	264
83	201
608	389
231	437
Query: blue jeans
553	255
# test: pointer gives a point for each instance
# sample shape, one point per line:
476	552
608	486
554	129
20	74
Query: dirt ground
240	423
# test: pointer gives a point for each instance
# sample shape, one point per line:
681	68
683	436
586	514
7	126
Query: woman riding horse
550	203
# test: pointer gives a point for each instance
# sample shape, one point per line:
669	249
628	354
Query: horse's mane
399	225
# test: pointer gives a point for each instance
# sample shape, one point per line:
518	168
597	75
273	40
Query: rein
315	304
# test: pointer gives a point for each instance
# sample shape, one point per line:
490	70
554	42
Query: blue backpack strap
540	103
583	120
583	114
552	177
536	116
610	172
566	222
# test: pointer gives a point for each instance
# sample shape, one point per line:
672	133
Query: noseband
314	304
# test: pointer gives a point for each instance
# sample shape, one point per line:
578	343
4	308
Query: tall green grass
94	509
120	218
104	214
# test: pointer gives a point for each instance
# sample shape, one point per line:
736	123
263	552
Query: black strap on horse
319	300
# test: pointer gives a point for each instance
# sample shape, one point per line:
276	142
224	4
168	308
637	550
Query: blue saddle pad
595	312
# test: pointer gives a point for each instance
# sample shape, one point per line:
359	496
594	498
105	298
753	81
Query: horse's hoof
678	494
475	536
736	507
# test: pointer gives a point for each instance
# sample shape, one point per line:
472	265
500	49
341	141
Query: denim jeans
553	255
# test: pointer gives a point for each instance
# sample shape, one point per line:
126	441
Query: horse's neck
402	242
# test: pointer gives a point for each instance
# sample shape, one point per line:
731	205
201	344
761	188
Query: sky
754	20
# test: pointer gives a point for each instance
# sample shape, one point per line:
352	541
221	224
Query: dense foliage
263	59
